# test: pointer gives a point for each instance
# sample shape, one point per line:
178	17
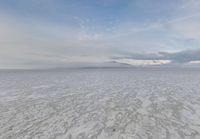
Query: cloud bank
160	58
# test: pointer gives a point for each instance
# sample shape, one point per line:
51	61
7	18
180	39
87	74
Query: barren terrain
100	104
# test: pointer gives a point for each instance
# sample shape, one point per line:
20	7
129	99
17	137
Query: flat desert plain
100	104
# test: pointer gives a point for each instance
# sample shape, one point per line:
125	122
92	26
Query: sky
71	33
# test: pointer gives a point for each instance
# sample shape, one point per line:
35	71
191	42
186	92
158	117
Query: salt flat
100	104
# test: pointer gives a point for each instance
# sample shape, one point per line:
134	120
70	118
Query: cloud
36	43
143	62
181	57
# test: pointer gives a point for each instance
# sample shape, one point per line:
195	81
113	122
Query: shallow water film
100	104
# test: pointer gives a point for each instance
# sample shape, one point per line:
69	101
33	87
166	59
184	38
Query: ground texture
100	104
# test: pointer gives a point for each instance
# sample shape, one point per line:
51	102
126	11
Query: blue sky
59	33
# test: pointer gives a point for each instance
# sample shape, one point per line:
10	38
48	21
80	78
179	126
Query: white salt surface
100	104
